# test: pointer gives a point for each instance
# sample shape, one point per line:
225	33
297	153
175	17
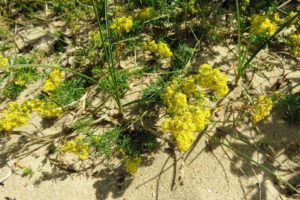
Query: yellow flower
193	8
161	49
146	13
78	147
262	108
3	61
151	46
95	38
176	102
295	43
132	164
292	14
169	92
54	80
295	39
19	81
15	115
244	4
46	108
212	79
165	124
189	86
184	141
277	18
69	146
262	24
201	117
121	25
185	102
183	126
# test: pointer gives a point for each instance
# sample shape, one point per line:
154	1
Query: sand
210	171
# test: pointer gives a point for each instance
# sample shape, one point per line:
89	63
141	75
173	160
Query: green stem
185	14
242	70
239	37
108	52
112	65
20	66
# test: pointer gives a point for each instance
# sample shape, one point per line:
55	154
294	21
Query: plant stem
242	70
20	66
112	65
109	53
239	38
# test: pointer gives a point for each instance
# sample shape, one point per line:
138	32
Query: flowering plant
186	101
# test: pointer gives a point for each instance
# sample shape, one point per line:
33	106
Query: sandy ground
210	171
216	174
206	175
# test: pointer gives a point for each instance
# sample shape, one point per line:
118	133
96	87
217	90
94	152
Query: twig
284	4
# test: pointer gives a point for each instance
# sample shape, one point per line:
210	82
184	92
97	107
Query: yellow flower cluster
262	108
54	80
15	115
185	102
132	164
146	13
121	25
46	108
295	43
244	4
95	38
161	48
3	61
276	18
192	7
20	81
290	16
184	125
262	24
78	147
212	79
177	102
189	86
279	20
